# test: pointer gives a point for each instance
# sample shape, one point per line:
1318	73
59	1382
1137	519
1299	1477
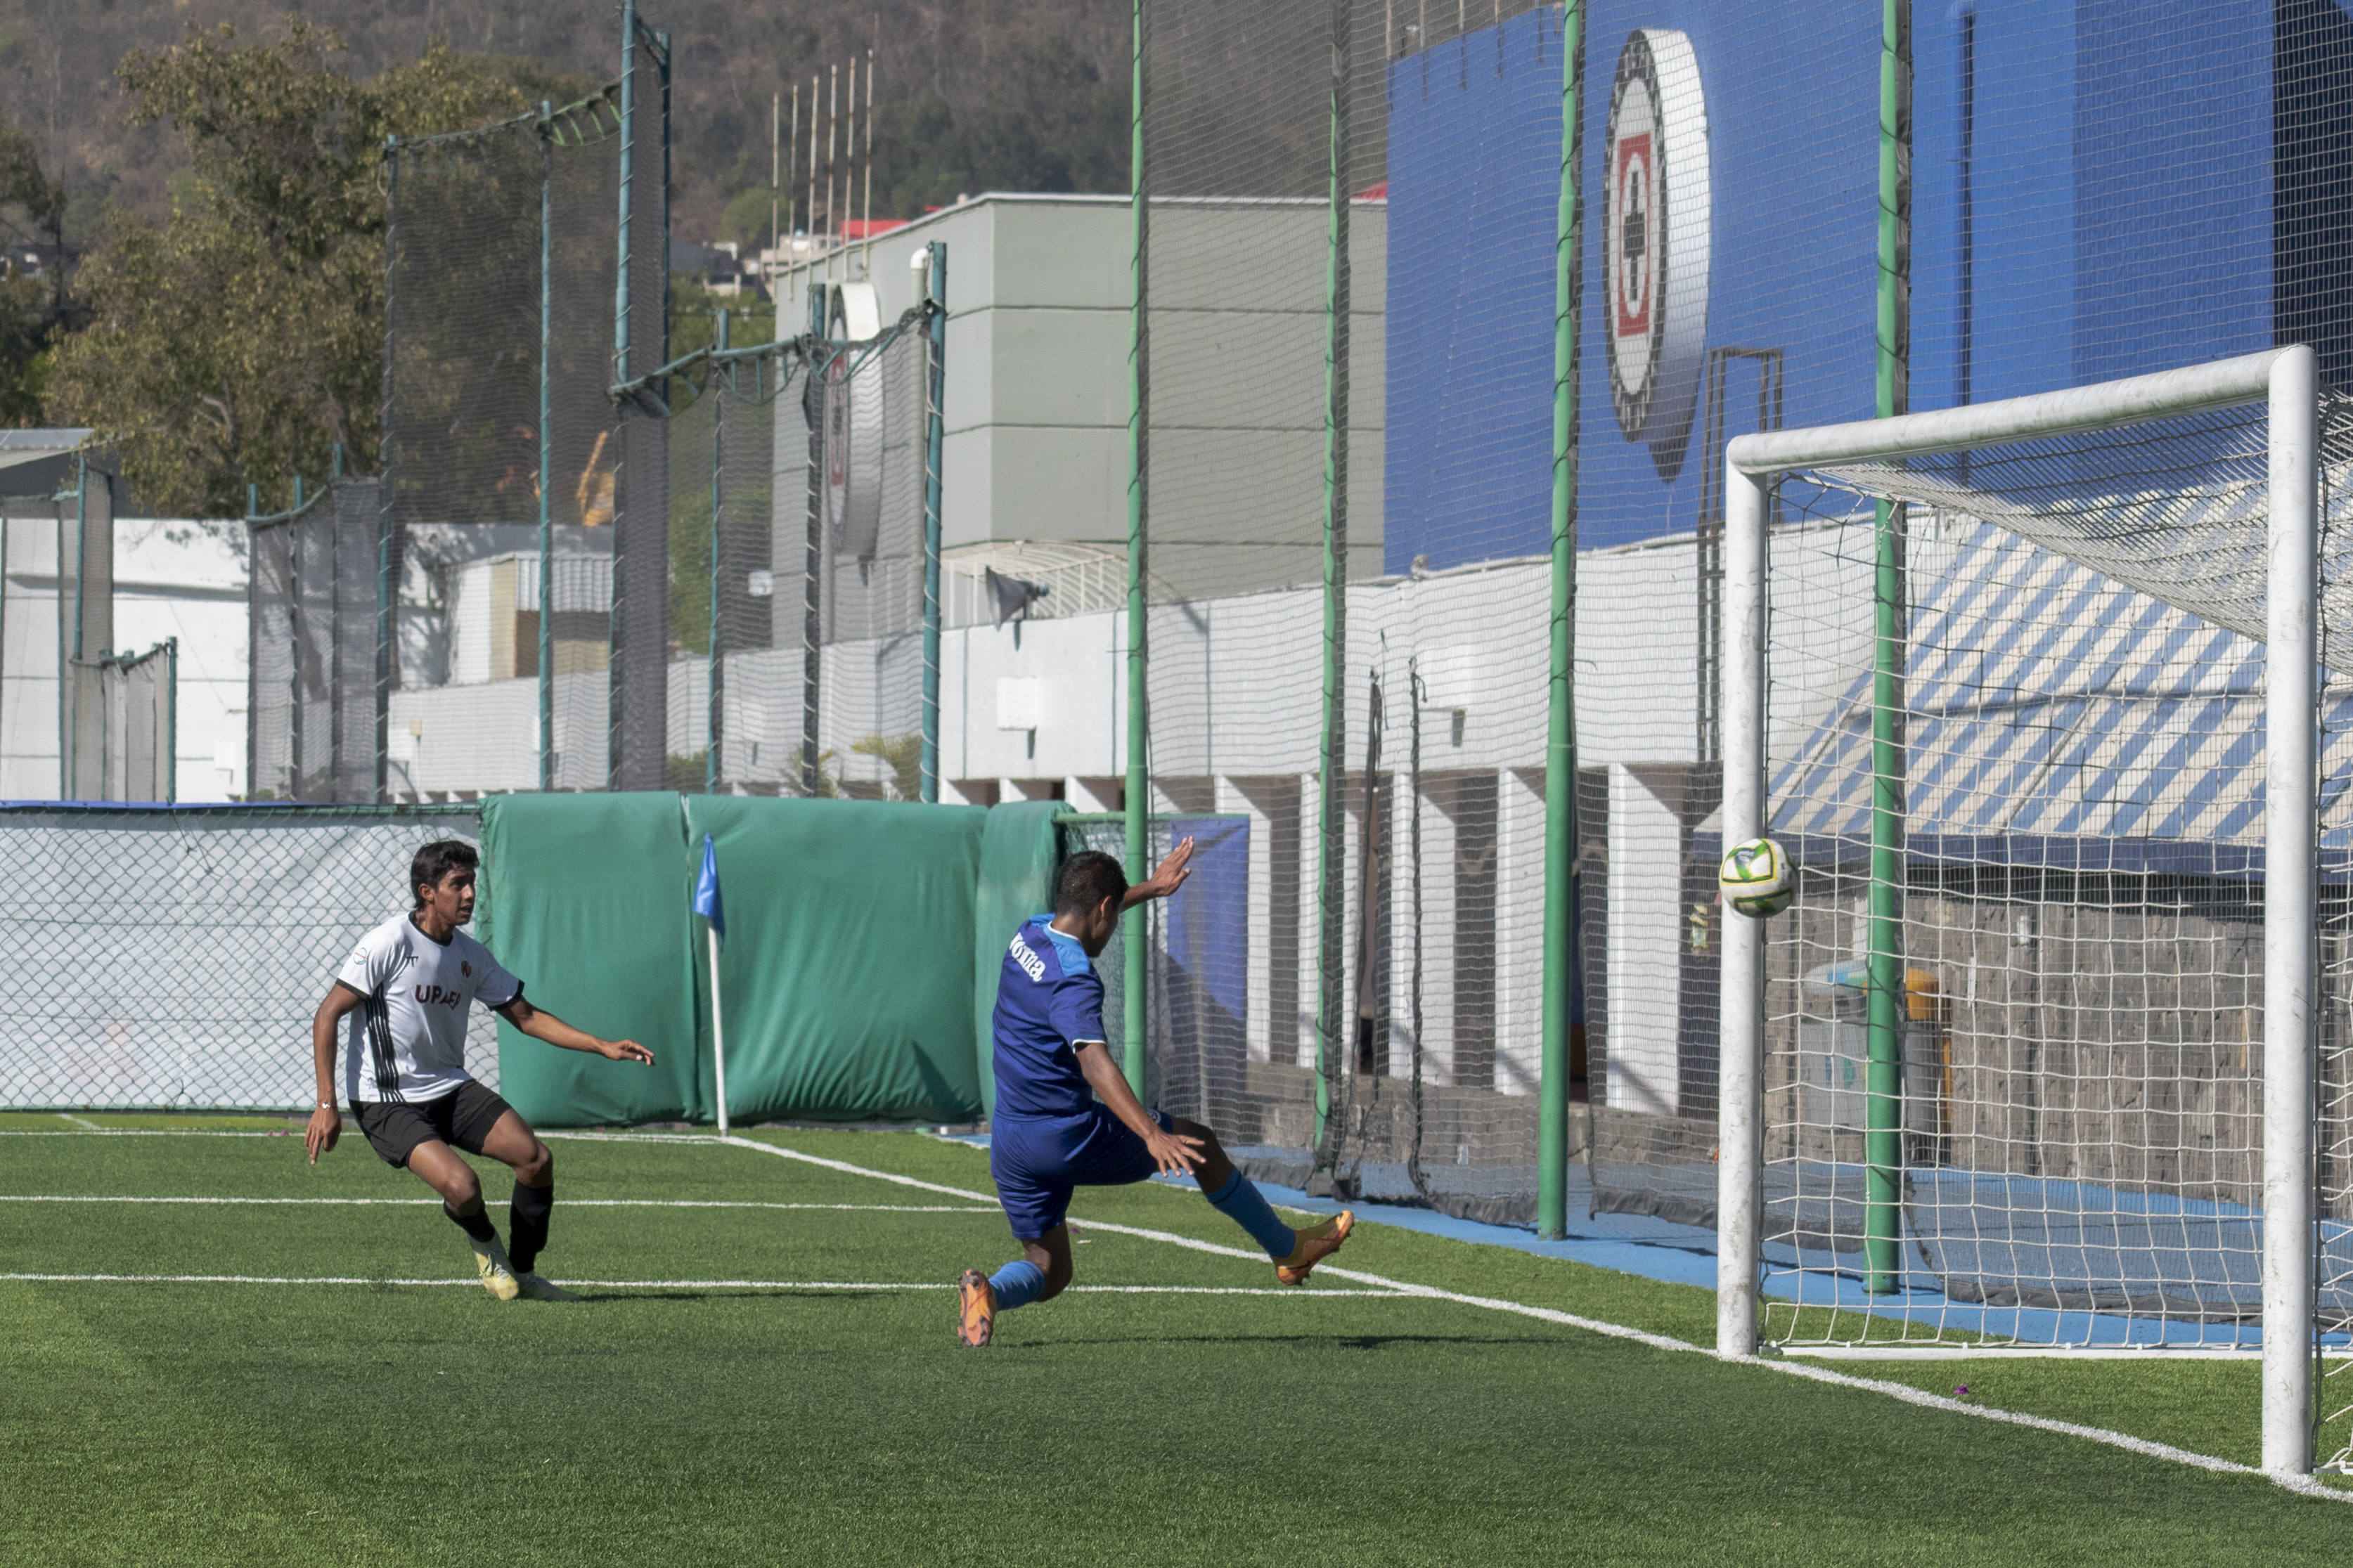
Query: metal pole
1331	824
1562	948
717	1032
935	348
715	722
1136	799
619	653
814	399
1740	1103
1884	1080
2290	968
387	467
629	148
546	487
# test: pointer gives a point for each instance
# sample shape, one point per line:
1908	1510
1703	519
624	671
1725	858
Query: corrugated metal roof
2058	717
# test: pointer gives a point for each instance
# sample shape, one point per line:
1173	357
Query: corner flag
706	889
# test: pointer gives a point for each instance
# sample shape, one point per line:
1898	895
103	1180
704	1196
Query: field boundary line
1305	1295
1910	1395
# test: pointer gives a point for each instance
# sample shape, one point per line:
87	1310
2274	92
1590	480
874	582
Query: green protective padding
1019	850
590	892
848	965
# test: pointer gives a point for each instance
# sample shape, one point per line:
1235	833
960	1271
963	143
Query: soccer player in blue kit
1066	1117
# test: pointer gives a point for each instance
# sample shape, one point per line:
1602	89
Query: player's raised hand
1176	1155
1168	879
625	1051
326	1128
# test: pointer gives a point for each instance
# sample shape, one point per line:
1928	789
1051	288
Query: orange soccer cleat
1315	1244
976	1309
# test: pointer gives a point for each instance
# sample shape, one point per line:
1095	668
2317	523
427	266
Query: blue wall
2121	161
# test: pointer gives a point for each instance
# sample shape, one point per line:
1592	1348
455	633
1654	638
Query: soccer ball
1758	879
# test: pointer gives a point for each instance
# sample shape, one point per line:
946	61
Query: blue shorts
1037	1163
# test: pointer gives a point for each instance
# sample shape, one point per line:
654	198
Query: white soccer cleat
539	1289
497	1274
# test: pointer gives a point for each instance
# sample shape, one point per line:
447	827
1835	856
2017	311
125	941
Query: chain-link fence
171	959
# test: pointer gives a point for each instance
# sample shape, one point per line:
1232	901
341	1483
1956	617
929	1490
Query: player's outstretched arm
1175	1156
1166	880
542	1025
326	1122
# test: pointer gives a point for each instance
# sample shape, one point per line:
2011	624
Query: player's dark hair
1085	880
437	860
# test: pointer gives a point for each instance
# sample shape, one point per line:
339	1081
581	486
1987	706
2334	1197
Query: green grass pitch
827	1417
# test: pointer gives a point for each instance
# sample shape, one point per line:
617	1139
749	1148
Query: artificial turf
186	1423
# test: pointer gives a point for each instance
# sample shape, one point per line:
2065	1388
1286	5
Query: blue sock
1239	1202
1017	1284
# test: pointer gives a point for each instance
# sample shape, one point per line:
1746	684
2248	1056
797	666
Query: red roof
867	228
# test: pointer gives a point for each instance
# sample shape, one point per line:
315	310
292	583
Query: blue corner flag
706	889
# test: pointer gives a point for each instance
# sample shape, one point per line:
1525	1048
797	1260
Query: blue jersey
1049	997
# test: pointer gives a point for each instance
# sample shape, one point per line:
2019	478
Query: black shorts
396	1127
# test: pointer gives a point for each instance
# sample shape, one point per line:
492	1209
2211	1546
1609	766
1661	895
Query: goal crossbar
2286	379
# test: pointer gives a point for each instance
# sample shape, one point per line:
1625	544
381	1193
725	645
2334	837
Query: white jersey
407	1040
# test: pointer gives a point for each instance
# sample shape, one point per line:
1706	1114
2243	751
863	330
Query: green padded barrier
1019	850
590	900
848	966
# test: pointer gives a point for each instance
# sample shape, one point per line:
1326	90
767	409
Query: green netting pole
1331	866
386	483
547	525
1561	952
713	676
935	348
1136	799
1884	1077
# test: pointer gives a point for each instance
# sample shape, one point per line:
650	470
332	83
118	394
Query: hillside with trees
190	197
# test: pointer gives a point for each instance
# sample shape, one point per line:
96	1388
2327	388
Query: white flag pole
718	1030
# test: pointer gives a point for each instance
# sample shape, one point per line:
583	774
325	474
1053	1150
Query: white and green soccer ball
1758	879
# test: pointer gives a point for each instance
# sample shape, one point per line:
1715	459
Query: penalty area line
2304	1485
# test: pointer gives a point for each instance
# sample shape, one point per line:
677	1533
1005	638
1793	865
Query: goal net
2025	690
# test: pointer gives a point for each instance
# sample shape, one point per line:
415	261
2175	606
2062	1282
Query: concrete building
130	585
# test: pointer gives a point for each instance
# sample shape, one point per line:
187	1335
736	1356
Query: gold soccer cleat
976	1309
1315	1244
498	1275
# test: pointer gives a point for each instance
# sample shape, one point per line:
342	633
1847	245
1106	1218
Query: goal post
2140	507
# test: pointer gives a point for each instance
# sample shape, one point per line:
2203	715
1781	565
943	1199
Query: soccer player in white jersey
407	988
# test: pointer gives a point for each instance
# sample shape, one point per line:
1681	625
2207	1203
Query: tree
241	337
1049	123
32	309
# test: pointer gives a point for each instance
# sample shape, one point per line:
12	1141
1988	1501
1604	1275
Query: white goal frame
2287	380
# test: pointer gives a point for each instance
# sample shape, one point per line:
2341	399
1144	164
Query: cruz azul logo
436	997
1656	245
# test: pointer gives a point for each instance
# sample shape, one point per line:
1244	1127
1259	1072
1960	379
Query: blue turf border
1686	1255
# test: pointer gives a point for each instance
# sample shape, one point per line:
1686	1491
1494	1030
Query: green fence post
1883	1078
1561	949
1331	865
714	675
546	515
935	354
1136	798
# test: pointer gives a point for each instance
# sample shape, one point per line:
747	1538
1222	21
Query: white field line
569	1204
1910	1395
77	1121
139	1132
1309	1295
